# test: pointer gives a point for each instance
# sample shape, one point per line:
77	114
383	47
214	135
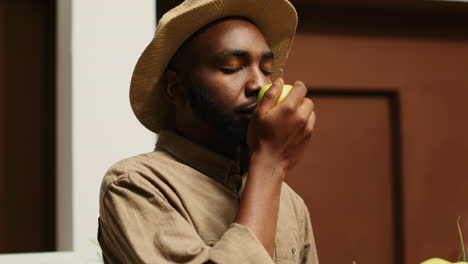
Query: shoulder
140	169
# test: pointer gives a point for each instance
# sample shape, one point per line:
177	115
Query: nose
256	80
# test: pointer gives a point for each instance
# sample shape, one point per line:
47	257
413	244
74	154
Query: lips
249	109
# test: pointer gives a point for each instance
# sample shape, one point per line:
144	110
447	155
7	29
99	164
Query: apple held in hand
286	89
440	261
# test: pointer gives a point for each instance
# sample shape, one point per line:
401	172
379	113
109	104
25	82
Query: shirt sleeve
138	225
310	250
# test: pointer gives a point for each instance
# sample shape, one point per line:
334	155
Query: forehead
235	34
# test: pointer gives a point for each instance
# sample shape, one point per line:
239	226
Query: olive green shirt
178	205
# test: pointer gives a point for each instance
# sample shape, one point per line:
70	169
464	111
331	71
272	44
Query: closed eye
229	71
267	73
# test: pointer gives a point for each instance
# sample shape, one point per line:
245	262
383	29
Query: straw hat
277	19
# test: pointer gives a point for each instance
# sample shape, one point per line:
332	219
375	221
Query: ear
172	90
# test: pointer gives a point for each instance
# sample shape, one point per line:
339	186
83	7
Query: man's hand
276	136
280	132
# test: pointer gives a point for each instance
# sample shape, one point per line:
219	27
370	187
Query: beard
206	109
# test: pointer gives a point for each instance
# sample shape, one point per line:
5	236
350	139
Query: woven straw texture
277	19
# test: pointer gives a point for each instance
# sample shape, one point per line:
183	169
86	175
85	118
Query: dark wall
27	126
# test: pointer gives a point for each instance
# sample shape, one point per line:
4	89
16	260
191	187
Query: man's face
225	66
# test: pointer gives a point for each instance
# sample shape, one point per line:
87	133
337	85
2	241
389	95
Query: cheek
226	90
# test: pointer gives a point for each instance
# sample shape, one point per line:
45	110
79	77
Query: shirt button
293	252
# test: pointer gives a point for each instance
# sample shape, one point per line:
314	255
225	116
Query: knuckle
302	119
309	129
288	109
299	84
303	87
309	103
269	95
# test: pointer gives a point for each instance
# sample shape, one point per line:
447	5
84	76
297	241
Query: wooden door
349	174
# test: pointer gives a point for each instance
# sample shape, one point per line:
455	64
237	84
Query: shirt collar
217	167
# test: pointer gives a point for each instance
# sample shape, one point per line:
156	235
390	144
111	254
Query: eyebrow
242	54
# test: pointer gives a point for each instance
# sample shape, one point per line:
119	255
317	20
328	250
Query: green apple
286	89
440	261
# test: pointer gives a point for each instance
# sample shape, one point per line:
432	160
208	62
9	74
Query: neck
213	141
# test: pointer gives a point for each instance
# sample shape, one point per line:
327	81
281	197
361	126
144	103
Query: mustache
249	105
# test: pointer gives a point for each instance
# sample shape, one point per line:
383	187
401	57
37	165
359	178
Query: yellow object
441	261
286	89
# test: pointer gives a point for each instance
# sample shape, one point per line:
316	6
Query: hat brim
276	19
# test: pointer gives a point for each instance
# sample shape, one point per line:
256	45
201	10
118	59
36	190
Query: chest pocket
288	250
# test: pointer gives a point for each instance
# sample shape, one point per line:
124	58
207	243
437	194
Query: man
213	190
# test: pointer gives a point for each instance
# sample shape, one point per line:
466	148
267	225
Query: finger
296	95
270	97
307	130
308	105
310	125
304	141
303	113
